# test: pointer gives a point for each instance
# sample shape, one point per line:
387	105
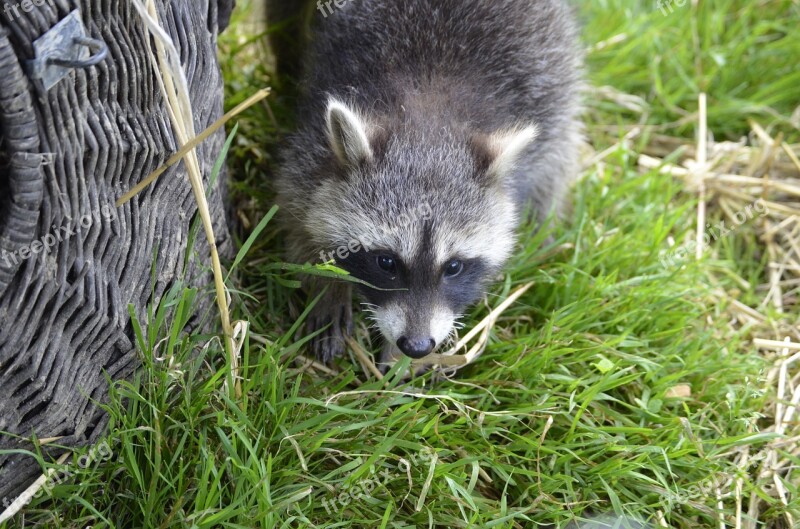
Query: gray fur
447	94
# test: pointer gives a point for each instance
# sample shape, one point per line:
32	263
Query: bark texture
71	262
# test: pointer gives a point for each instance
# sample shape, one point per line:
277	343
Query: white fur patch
347	133
509	145
491	239
441	324
391	322
334	220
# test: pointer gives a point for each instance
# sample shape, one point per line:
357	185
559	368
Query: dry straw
172	83
31	492
727	177
478	336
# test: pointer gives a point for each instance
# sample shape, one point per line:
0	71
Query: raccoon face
416	304
425	220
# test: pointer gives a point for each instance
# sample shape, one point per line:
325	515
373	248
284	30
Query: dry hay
729	177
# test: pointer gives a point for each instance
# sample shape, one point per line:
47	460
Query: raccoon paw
338	318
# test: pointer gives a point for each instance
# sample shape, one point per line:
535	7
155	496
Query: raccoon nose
416	348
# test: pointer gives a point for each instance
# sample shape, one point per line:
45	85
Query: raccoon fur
426	130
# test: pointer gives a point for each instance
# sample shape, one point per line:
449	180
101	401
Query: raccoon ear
499	153
347	133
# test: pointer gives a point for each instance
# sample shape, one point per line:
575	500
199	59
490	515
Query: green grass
571	411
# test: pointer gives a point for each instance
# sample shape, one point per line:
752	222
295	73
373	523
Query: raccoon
427	129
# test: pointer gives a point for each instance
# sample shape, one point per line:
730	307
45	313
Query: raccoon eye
387	264
453	268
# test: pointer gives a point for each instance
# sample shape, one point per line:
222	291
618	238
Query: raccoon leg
389	354
334	310
289	21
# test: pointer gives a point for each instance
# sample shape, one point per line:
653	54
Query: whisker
458	324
